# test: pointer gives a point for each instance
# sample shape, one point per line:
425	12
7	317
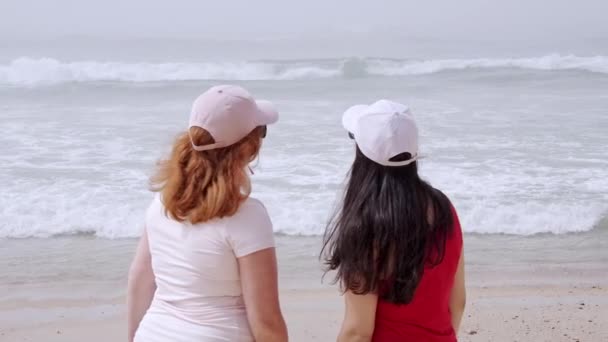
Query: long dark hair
389	228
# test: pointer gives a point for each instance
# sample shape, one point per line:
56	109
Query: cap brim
267	113
351	117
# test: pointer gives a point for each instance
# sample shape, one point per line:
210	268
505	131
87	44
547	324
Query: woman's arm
141	286
259	280
458	297
359	317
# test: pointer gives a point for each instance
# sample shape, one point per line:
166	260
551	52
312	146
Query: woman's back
395	243
205	268
196	271
427	317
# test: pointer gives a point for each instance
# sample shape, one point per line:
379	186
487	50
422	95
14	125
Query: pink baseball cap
229	113
382	131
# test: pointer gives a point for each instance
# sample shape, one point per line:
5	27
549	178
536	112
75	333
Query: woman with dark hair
205	268
396	242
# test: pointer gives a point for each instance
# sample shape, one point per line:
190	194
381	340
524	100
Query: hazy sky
221	19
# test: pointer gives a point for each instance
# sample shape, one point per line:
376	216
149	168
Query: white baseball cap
382	131
229	113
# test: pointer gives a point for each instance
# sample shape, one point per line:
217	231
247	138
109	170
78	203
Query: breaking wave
27	71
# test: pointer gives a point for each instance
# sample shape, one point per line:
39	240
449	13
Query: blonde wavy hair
199	186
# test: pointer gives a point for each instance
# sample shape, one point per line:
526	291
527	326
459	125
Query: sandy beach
549	289
494	314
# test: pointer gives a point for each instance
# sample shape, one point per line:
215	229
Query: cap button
220	91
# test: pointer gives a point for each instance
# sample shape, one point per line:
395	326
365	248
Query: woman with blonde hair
205	268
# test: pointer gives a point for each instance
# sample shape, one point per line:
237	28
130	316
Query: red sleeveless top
427	317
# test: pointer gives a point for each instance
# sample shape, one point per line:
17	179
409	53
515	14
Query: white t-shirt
197	274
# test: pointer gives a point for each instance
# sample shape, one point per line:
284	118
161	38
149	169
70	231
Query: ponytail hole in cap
401	157
200	136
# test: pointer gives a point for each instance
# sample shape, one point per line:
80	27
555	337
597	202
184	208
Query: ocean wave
76	196
113	222
26	71
598	64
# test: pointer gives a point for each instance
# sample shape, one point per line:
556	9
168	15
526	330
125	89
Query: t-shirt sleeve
252	232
